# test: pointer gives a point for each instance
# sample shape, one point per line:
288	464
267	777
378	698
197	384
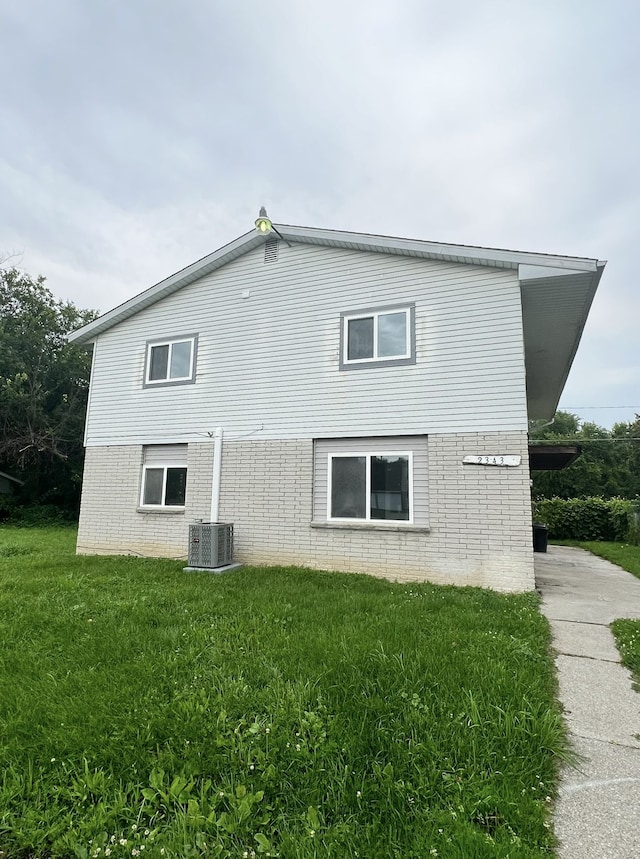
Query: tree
608	467
44	383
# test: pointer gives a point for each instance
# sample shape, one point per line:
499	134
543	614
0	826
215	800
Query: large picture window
370	487
384	336
164	476
171	362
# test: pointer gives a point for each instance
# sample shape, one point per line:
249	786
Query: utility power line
599	407
577	439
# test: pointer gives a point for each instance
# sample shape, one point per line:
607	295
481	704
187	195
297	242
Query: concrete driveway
598	809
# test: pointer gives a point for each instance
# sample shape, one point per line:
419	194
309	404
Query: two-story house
368	398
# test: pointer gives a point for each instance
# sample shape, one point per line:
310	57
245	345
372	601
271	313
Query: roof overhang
12	479
557	292
555	306
552	457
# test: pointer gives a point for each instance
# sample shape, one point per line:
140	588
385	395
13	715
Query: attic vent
271	249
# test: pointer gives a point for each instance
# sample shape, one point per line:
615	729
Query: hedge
615	519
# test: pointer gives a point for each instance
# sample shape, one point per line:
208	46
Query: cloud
139	137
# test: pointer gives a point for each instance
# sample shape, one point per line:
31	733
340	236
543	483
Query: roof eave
88	333
494	257
467	254
543	407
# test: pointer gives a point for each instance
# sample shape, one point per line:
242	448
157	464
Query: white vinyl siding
268	359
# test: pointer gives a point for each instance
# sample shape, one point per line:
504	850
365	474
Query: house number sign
504	460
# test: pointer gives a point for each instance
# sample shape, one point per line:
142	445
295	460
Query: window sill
167	383
370	526
377	362
163	511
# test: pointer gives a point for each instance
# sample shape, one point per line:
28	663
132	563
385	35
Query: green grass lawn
149	712
627	635
622	554
626	632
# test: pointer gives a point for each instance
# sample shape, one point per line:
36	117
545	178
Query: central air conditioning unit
210	545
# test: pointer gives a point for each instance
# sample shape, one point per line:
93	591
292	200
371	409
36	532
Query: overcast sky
137	137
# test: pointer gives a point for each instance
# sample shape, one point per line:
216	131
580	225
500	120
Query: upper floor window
381	336
171	362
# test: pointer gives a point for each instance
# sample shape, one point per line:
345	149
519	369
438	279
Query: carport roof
552	457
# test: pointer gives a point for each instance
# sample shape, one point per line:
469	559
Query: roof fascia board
534	272
332	238
390	244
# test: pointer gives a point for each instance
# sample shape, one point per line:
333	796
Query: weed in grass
627	635
14	551
271	712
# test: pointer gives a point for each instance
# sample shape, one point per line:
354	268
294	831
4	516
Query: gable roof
557	292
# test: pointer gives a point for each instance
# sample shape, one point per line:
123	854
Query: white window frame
375	315
165	467
368	455
171	380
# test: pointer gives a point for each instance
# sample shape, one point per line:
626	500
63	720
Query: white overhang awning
555	306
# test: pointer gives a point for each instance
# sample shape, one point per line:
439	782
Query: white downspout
217	472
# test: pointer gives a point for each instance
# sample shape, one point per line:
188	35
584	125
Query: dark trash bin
540	536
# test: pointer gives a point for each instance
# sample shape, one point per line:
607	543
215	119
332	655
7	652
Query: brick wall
479	517
110	522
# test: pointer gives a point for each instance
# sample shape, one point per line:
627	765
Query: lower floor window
164	487
370	486
164	476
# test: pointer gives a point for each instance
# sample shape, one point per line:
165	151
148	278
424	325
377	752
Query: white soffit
555	307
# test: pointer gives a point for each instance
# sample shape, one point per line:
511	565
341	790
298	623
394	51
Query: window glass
383	336
349	487
390	487
180	360
159	362
153	480
392	334
172	362
175	492
360	338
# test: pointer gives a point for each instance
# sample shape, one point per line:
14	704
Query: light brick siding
110	522
479	516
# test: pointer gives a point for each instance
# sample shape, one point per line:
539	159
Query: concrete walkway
598	809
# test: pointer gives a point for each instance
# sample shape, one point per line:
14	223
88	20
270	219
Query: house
368	398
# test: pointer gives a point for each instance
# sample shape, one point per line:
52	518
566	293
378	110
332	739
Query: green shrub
7	506
614	519
633	536
35	515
